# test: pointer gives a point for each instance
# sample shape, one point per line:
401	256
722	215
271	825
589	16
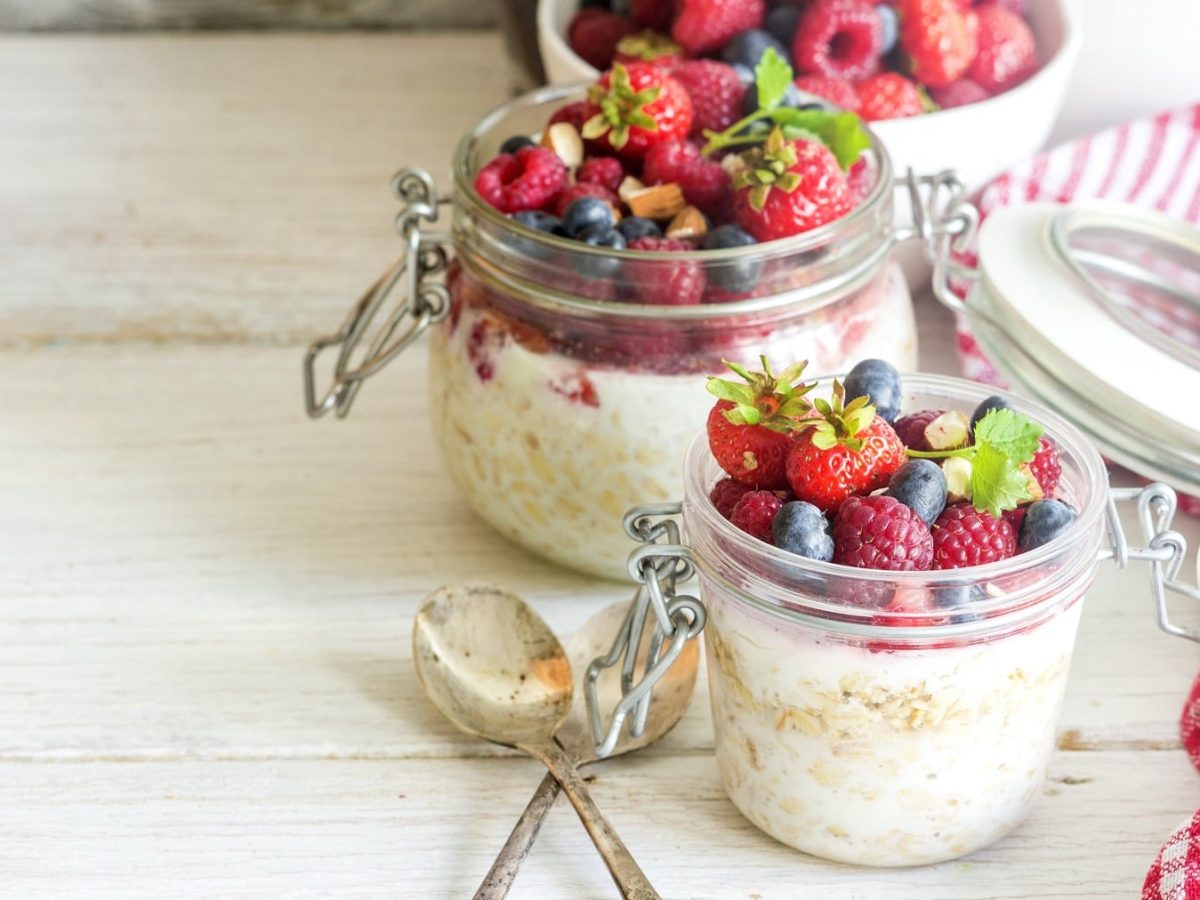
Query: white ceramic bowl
980	140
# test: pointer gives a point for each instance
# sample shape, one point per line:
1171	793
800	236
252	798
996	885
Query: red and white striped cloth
1175	874
1153	163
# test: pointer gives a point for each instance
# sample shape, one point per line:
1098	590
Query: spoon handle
500	877
631	880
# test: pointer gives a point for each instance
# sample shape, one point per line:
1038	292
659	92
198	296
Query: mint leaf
1014	435
841	131
997	483
772	76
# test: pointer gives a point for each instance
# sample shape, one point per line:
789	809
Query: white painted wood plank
194	569
429	828
216	188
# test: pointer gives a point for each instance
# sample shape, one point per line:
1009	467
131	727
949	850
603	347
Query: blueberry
1044	521
802	529
737	276
515	143
744	73
782	22
599	236
992	402
889	27
920	485
958	597
793	98
539	221
634	227
586	213
747	47
880	381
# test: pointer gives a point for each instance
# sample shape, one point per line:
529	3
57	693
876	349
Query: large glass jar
854	728
560	398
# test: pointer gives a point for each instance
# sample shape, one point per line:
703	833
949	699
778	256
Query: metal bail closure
946	224
659	565
1165	549
422	302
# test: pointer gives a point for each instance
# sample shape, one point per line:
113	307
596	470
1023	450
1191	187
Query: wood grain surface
205	599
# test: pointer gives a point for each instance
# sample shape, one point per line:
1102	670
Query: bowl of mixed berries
972	84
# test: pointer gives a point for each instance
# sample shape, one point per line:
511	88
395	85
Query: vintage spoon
495	669
671	696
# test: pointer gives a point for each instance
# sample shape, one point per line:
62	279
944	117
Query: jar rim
795	245
994	614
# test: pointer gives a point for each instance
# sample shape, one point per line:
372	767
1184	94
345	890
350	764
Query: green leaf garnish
842	132
1015	435
772	76
997	483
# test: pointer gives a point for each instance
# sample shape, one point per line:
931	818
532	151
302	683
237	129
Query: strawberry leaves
621	109
763	398
841	131
839	422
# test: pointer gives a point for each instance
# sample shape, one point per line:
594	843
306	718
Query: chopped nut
660	201
948	431
687	225
958	478
630	185
1035	487
564	140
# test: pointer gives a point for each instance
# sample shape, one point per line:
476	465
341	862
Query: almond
688	225
564	140
660	201
958	478
1035	489
629	187
949	431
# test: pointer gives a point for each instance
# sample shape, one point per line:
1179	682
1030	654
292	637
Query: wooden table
205	683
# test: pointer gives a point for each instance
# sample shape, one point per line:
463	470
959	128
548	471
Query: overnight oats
892	593
614	248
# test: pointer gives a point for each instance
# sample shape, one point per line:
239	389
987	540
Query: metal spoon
495	669
671	697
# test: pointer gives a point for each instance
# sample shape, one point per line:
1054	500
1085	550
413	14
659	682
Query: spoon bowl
491	665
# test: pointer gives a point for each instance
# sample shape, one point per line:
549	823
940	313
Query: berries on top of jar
942	489
883	58
676	155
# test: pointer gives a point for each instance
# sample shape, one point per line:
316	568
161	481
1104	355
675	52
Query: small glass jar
861	733
560	396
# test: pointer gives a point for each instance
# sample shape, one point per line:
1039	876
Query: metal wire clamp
422	302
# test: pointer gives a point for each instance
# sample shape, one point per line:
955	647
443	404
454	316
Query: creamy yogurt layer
552	451
876	756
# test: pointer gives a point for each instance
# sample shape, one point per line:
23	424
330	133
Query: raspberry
571	193
755	513
820	195
527	179
716	92
889	96
654	14
911	428
605	171
1007	50
486	338
966	536
704	182
938	39
1046	466
725	495
704	26
576	113
963	92
594	33
837	91
838	39
881	533
665	283
1015	517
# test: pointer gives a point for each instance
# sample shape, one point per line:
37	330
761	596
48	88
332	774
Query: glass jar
560	398
863	734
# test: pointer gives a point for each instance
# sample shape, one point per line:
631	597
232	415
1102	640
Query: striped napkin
1152	163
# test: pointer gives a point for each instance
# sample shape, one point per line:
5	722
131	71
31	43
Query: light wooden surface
205	682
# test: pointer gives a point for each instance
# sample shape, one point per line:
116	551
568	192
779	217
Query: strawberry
634	107
704	182
889	96
576	113
959	93
789	187
649	47
716	92
843	451
1007	50
704	26
938	38
594	34
750	426
837	91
